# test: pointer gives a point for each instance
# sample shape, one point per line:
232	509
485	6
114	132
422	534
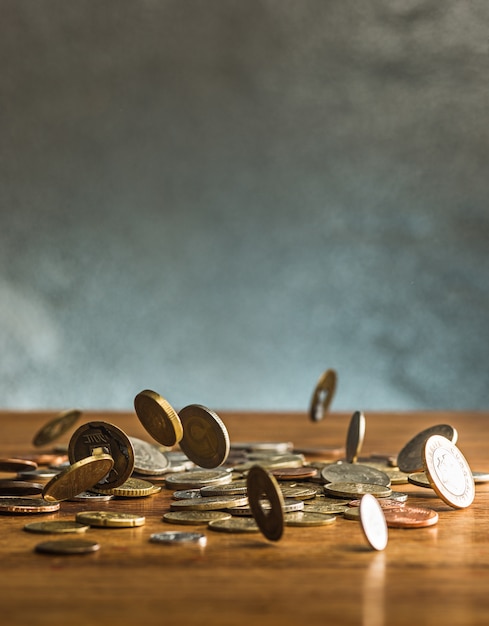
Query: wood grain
324	575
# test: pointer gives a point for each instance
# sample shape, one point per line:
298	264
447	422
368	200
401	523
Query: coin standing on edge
205	437
262	485
158	417
373	522
323	395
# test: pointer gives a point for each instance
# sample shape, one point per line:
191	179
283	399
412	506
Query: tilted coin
21	506
194	518
235	525
262	485
410	517
103	438
195	479
68	546
410	458
148	458
110	519
178	538
56	427
373	522
80	476
19	488
205	437
308	518
419	479
323	395
158	417
448	472
133	488
345	489
56	527
17	465
354	473
355	436
209	503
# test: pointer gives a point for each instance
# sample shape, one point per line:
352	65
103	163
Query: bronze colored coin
79	477
328	452
308	518
346	489
110	519
209	503
19	488
323	395
17	465
55	527
419	479
196	479
133	488
68	546
158	417
103	438
194	518
294	473
354	473
262	485
448	472
234	525
410	517
56	427
410	458
355	436
21	506
235	488
45	458
205	437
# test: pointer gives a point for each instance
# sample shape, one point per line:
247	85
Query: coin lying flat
96	438
410	517
158	417
148	458
323	395
90	496
17	465
290	506
110	519
419	479
235	525
346	489
261	485
205	437
195	479
133	488
308	518
79	477
172	538
194	518
56	427
354	473
55	527
209	503
410	458
384	503
236	488
21	506
19	488
328	508
373	522
448	472
355	437
68	546
294	473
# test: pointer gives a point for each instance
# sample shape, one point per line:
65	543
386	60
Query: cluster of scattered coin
244	487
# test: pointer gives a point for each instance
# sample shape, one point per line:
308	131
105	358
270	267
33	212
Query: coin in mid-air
76	478
158	417
448	472
373	522
323	395
95	438
56	427
355	436
205	437
68	546
262	485
410	458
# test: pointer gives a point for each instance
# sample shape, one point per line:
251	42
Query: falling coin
373	522
79	477
323	395
262	485
67	546
355	436
158	417
410	458
205	437
56	427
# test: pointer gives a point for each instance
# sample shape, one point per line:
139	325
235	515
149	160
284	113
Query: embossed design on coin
56	427
55	527
410	458
79	477
346	489
104	438
323	395
448	472
68	546
148	458
205	437
178	538
373	522
158	417
355	437
262	485
111	519
354	473
194	518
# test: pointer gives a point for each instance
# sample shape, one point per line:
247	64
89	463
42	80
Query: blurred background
219	200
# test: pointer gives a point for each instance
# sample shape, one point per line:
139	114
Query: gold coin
205	437
448	472
373	522
79	477
345	489
308	518
133	488
355	436
234	525
208	503
158	417
323	395
56	427
194	518
68	546
352	513
110	519
261	485
56	527
327	507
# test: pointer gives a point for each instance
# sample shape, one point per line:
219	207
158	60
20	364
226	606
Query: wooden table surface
320	575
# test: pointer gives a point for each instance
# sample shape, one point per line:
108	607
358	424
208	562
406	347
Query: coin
45	458
276	447
480	477
208	503
355	436
410	517
384	503
77	478
178	538
373	522
419	479
158	417
294	473
308	518
205	437
300	493
323	395
148	458
133	488
195	479
68	546
17	465
103	438
55	527
194	518
410	458
354	473
448	472
327	507
261	485
345	489
56	427
110	519
237	488
43	474
235	525
11	504
19	488
185	494
85	496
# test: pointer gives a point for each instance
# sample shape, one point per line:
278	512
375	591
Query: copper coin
410	517
67	546
294	473
19	488
45	458
10	504
17	465
323	395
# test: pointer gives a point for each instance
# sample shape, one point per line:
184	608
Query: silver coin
354	473
195	479
194	518
179	537
290	506
209	503
92	497
148	459
410	458
186	494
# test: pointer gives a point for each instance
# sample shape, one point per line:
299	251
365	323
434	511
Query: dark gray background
220	200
